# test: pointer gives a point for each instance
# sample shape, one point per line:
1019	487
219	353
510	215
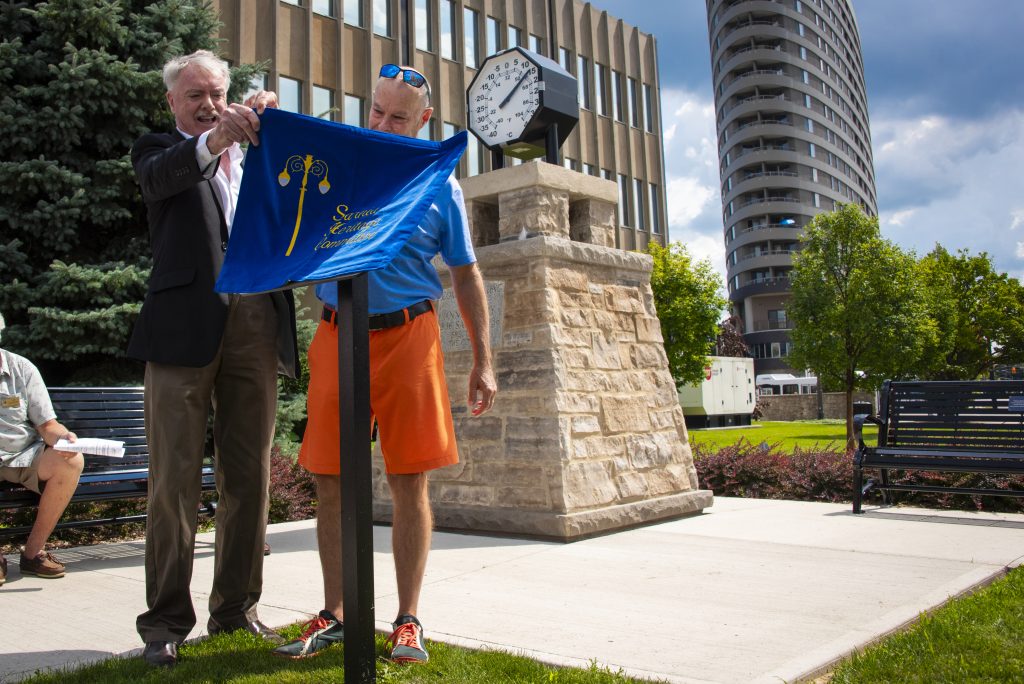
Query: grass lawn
241	657
805	434
979	638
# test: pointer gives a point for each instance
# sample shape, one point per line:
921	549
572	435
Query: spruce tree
80	81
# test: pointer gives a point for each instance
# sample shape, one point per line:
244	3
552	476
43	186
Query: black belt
386	320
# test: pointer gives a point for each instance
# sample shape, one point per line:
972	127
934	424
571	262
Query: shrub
764	471
292	489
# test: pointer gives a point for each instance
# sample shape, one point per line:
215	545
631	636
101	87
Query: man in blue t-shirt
408	394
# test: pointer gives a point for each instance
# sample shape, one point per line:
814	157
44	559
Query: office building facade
324	56
793	141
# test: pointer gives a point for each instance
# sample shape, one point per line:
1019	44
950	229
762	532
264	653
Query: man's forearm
468	287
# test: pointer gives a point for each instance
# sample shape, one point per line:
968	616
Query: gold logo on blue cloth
308	166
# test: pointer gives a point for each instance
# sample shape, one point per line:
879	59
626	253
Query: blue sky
946	102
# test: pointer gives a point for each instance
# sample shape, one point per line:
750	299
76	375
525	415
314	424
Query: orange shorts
408	399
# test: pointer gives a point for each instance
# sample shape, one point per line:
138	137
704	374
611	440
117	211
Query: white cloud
1017	218
1020	250
953	182
895	218
691	170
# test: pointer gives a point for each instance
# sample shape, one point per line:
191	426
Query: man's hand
482	389
238	123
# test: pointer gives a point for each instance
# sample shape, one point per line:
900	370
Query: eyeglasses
410	76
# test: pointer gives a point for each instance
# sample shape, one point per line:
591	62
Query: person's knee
409	489
57	466
76	464
328	488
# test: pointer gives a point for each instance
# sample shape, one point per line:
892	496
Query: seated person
28	431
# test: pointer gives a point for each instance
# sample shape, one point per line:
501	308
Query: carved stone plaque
453	333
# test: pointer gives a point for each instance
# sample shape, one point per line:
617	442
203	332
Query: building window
323	103
515	36
617	96
649	107
324	7
777	319
353	114
565	59
817	200
624	212
293	2
811	149
469	29
589	169
447	35
583	80
354	12
810	125
601	88
424	24
449	129
536	44
606	174
655	204
474	157
382	18
634	103
638	202
289	94
493	35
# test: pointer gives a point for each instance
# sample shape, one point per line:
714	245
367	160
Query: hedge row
761	471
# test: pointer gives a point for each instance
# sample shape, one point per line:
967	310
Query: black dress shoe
255	627
161	653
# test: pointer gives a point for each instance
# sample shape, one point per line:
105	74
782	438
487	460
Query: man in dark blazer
204	350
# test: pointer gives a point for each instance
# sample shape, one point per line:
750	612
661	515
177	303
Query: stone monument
586	435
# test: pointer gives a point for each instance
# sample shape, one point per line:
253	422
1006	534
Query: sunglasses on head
410	76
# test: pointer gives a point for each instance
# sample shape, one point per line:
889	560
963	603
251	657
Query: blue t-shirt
410	277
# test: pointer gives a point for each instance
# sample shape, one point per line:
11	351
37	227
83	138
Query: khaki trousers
240	385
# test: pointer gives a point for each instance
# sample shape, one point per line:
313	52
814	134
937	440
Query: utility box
724	398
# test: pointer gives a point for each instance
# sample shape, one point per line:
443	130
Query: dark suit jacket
182	318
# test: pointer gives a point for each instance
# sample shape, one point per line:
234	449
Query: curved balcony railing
762	174
767	226
773	252
762	200
765	122
764	148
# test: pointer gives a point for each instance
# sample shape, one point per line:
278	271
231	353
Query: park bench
975	427
111	413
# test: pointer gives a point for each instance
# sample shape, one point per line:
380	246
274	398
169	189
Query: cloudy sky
946	102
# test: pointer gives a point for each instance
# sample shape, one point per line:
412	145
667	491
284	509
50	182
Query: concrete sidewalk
749	591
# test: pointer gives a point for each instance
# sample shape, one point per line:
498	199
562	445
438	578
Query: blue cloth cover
364	193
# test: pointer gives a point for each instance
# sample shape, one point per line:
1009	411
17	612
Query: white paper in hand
92	445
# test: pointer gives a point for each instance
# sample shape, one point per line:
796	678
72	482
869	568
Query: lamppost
307	165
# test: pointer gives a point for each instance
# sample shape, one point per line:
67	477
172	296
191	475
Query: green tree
979	315
689	304
858	314
81	81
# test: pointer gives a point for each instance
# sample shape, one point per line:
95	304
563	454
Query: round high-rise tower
793	141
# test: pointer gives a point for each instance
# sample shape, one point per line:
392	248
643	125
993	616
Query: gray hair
203	59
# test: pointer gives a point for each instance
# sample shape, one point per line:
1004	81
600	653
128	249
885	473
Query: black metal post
356	480
551	145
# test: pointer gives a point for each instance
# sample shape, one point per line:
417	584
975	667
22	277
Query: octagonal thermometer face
504	98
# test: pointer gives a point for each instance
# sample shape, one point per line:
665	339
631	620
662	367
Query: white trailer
725	397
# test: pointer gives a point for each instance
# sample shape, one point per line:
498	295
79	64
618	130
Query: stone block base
564	527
